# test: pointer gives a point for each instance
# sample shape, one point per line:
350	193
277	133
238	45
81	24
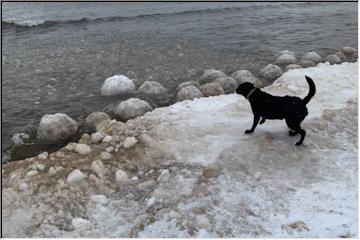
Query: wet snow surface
194	173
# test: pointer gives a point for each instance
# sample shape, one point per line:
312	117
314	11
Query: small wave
39	23
26	24
29	24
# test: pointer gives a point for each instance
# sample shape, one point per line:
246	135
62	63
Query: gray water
55	56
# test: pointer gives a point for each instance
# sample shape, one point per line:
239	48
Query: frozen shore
188	170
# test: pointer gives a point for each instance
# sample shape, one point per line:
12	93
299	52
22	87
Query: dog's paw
262	121
298	143
248	131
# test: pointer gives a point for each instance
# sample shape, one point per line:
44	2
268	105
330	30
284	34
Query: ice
335	85
31	173
99	199
117	84
107	139
23	186
82	149
151	202
18	138
205	178
135	178
79	223
43	156
52	171
130	142
121	176
105	156
98	167
164	175
75	177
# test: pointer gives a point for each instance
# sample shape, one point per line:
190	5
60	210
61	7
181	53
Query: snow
223	182
147	184
203	222
75	176
96	137
18	138
52	171
209	131
70	146
329	199
257	176
54	128
31	173
98	167
109	149
99	199
43	156
41	167
23	186
82	149
79	223
130	142
164	175
121	176
150	202
135	178
335	85
105	156
107	138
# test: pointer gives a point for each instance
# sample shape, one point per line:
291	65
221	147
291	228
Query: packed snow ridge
188	170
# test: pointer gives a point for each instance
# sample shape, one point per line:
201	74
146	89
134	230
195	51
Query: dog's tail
312	90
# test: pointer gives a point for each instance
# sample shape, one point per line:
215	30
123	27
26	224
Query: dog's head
245	88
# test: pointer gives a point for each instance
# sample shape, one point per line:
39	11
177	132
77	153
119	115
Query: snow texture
82	149
96	137
205	178
56	128
18	138
130	142
75	177
121	176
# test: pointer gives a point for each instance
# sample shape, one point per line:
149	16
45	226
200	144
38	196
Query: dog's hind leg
295	126
262	120
302	133
255	123
292	133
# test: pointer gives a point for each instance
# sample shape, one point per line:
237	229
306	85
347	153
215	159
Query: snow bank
204	177
335	85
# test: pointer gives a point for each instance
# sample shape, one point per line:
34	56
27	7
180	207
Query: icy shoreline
193	173
151	94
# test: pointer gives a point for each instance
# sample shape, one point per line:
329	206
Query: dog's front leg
262	121
255	123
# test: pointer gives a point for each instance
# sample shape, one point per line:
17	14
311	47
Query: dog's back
274	107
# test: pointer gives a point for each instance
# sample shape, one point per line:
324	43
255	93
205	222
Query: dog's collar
249	94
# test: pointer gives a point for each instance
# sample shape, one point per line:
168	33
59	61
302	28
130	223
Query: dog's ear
238	89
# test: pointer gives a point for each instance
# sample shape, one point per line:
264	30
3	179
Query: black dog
264	105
